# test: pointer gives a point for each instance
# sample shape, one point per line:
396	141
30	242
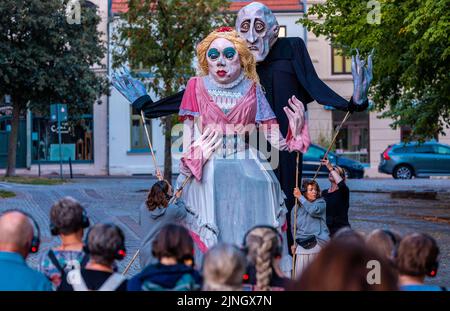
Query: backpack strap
75	279
112	283
84	261
51	255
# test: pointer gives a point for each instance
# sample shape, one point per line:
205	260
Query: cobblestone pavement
372	206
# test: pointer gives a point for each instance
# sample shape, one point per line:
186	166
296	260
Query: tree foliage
411	62
160	37
44	59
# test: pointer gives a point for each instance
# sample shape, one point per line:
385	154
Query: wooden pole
332	143
294	255
158	173
131	262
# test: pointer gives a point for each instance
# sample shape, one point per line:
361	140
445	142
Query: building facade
365	135
83	137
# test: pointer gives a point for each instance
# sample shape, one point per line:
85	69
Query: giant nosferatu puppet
285	70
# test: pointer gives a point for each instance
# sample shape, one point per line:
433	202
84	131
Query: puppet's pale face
223	61
259	27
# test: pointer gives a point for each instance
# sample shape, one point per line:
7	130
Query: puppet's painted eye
229	52
260	26
213	54
245	26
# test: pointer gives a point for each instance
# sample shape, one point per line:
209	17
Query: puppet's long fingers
213	148
293	104
290	116
370	65
300	108
202	138
354	71
211	136
118	83
288	112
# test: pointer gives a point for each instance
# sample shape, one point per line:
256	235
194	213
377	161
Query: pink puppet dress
235	189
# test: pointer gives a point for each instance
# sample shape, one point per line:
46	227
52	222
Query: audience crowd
346	260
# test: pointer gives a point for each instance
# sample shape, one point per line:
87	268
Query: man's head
417	255
67	216
16	233
258	26
105	243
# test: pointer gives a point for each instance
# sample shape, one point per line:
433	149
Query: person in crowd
348	235
311	229
155	213
264	247
223	268
68	219
105	244
417	258
337	197
174	249
385	243
342	266
19	236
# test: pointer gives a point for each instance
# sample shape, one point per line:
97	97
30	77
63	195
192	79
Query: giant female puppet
231	189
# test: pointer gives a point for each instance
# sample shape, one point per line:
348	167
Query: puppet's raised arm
319	91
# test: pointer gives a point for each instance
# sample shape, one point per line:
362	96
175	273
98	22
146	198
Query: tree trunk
12	147
168	149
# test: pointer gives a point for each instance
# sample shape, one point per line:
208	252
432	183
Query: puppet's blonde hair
246	57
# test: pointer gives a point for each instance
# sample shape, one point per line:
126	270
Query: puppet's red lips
221	73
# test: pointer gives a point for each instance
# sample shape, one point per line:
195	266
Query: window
340	64
77	139
353	138
423	149
138	136
314	153
282	32
401	150
442	150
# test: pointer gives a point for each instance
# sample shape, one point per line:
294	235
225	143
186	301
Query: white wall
121	160
288	20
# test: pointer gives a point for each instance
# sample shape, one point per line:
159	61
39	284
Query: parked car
405	160
311	161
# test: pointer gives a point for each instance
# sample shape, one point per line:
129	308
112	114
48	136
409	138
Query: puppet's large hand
130	88
208	143
296	116
362	76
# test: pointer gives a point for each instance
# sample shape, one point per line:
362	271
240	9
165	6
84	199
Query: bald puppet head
16	233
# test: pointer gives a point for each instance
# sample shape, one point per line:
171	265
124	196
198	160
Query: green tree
46	57
411	62
161	36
